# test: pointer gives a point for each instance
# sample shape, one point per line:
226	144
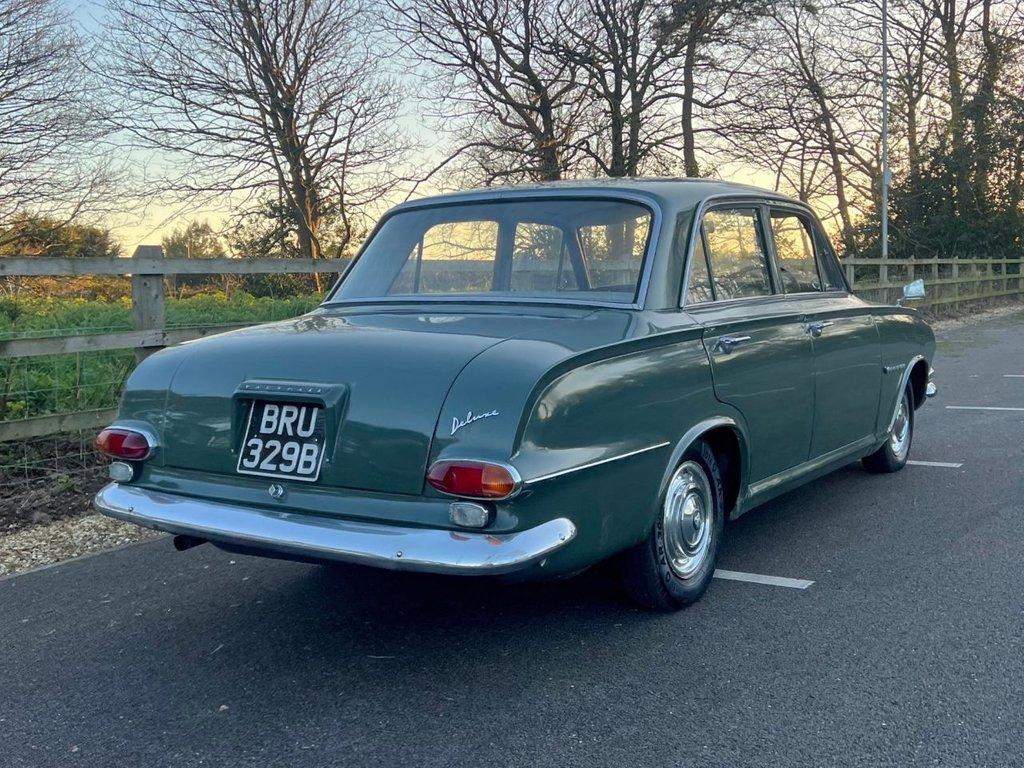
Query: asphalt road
907	650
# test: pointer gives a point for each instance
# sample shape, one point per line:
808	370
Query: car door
847	353
761	355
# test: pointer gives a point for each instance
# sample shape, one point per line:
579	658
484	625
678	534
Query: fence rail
950	282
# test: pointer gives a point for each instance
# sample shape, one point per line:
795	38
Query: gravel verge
71	537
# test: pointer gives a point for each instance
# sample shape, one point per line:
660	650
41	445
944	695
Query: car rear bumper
322	538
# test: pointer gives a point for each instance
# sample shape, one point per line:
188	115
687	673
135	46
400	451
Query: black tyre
893	454
673	566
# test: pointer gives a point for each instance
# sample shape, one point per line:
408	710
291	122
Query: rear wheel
673	566
892	455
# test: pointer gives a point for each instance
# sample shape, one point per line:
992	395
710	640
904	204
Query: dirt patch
43	502
44	480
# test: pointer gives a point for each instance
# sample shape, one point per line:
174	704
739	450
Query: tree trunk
957	123
982	110
690	166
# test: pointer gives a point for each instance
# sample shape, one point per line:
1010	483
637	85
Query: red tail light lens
474	479
123	443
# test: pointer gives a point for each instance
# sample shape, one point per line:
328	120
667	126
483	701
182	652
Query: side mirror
913	291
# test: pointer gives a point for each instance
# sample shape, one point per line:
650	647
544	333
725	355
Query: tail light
474	479
121	443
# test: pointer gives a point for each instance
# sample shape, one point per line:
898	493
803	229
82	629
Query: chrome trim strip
380	545
597	463
774	481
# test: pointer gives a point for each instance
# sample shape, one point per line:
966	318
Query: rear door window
794	251
736	253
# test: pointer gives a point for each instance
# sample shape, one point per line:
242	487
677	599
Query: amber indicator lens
472	479
123	443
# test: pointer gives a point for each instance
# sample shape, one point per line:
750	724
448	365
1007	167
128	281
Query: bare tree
632	60
808	104
260	100
513	104
51	162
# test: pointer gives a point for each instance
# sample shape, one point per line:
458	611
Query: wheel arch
727	439
916	363
919	381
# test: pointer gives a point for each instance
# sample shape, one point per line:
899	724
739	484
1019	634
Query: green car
526	381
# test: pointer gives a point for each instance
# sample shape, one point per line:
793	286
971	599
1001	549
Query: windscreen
557	248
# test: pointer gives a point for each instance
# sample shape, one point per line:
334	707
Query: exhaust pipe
181	542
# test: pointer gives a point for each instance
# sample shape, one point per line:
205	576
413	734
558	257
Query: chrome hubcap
899	438
687	520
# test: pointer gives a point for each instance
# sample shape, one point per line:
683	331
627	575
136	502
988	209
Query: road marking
981	408
757	578
946	464
1013	375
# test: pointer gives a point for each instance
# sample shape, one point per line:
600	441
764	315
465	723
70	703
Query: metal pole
885	129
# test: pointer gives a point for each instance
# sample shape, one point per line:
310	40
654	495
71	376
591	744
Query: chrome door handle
726	343
815	329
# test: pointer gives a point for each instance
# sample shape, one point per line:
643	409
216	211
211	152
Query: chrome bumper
384	546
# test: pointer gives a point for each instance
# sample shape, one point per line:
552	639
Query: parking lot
906	649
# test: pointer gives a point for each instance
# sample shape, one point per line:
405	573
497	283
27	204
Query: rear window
562	248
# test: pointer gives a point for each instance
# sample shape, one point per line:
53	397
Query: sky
148	224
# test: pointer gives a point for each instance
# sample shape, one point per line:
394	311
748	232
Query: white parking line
757	578
946	464
981	408
1013	375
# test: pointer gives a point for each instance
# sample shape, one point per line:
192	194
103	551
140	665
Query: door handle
816	328
726	343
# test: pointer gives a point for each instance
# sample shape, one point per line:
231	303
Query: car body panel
847	370
592	405
767	377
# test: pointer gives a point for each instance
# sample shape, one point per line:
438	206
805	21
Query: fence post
147	298
956	284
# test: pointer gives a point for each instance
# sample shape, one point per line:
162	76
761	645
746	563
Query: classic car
527	381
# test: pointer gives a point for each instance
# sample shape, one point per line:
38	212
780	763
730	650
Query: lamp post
885	129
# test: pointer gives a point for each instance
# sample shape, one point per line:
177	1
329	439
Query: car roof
677	191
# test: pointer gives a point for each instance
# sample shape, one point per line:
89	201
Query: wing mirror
913	291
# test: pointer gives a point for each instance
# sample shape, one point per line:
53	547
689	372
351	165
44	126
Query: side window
794	249
736	254
700	280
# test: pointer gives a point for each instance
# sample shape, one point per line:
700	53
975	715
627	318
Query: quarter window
700	281
736	254
794	249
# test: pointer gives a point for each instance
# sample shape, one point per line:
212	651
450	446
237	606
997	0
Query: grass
61	383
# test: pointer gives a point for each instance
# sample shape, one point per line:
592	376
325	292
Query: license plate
283	440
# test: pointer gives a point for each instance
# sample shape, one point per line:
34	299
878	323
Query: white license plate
283	440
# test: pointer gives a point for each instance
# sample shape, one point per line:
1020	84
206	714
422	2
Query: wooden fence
950	282
147	269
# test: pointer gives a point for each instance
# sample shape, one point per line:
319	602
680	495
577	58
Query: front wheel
673	566
892	455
